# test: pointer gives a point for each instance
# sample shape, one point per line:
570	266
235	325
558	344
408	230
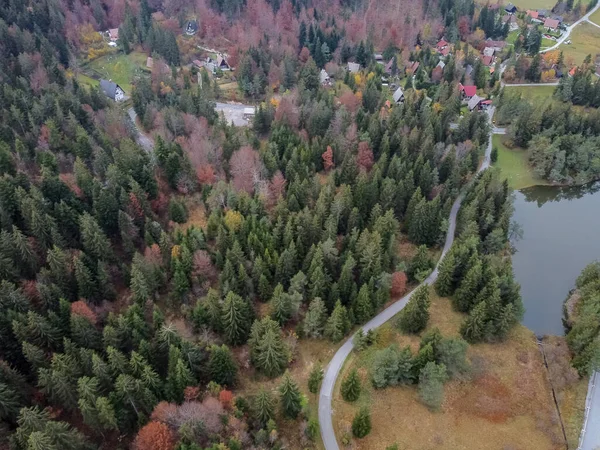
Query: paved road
336	363
590	434
566	34
593	23
141	138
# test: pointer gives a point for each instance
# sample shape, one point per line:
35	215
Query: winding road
335	365
567	33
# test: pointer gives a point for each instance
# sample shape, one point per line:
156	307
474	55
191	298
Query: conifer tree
361	424
235	319
179	376
415	315
338	323
314	379
290	397
444	285
95	242
351	387
431	384
363	308
221	366
271	355
264	407
465	295
315	318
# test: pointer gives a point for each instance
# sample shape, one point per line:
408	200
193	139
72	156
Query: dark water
561	235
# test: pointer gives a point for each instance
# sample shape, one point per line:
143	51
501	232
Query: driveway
233	112
335	365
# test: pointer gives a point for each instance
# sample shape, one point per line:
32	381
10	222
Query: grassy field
119	68
596	17
547	43
84	79
515	166
536	93
585	40
506	403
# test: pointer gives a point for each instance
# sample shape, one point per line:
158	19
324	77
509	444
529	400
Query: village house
191	28
474	102
249	112
398	96
413	67
468	70
467	92
512	22
488	51
441	65
112	90
378	58
389	65
441	45
113	34
324	78
222	63
551	24
510	9
353	67
487	60
534	15
542	13
498	46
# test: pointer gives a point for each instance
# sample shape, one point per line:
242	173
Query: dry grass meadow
505	404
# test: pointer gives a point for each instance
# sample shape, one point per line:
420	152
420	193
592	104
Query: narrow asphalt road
567	33
590	434
336	363
141	138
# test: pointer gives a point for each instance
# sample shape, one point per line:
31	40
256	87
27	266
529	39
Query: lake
561	235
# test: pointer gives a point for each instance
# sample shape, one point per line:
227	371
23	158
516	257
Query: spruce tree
361	424
415	315
338	323
235	319
431	384
351	387
444	285
363	307
263	407
271	354
465	295
290	397
314	378
221	366
315	318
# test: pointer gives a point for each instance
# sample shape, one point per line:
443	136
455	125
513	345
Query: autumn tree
154	436
327	157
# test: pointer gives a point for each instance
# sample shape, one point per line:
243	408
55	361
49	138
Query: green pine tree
290	397
415	315
351	387
221	366
361	424
263	407
314	378
338	323
235	319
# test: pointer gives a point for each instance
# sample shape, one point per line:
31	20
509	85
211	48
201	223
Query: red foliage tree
191	393
80	308
399	280
304	55
365	156
276	187
154	436
206	174
245	169
351	101
203	266
226	398
328	158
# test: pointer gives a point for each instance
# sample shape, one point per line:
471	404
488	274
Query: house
533	14
378	57
468	70
498	46
488	51
542	13
474	102
573	71
149	62
191	28
222	63
112	90
512	22
324	78
488	60
441	45
441	64
398	96
413	67
510	8
467	91
445	52
249	112
208	64
389	65
113	34
485	104
551	24
353	67
112	44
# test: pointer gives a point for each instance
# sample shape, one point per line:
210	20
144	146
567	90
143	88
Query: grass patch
595	17
547	43
512	36
535	93
508	395
523	5
88	81
514	165
119	68
585	40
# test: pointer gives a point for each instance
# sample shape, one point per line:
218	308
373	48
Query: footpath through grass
514	165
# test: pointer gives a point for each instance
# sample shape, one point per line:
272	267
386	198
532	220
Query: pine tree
290	397
361	424
264	407
179	376
315	318
338	323
444	285
95	242
235	319
314	378
473	328
431	384
351	387
271	355
363	308
281	307
86	286
415	315
221	366
465	295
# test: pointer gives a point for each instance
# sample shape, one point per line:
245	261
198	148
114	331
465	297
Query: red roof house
441	45
487	60
532	14
468	91
551	24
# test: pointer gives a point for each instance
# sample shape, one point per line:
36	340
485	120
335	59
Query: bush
431	385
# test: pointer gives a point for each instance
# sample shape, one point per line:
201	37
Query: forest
140	287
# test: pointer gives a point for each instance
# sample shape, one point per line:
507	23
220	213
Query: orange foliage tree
398	284
327	158
154	436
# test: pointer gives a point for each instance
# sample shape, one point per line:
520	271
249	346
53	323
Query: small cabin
112	90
